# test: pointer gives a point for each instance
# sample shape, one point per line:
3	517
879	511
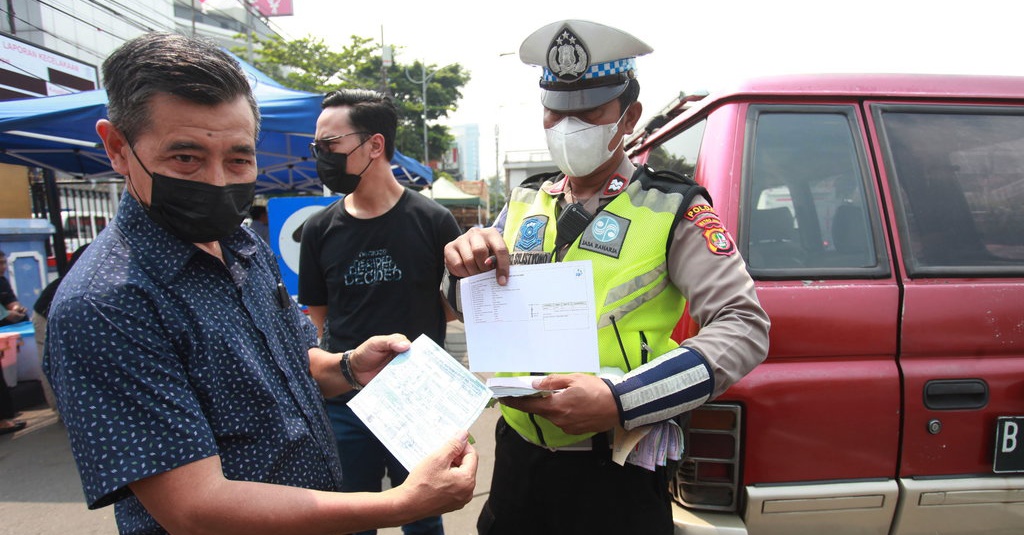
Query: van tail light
708	475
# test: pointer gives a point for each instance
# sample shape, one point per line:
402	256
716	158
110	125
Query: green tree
309	64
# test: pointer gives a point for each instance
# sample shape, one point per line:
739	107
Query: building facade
54	47
89	31
467	141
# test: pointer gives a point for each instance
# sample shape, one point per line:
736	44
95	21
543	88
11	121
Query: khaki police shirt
733	334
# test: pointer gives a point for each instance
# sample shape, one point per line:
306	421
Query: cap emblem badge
568	57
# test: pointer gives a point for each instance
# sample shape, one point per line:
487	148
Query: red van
882	218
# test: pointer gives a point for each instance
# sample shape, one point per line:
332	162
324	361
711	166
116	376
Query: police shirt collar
614	185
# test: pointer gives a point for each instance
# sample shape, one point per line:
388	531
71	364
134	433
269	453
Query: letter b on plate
1009	455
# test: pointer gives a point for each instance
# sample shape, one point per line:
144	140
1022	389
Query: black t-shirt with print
380	275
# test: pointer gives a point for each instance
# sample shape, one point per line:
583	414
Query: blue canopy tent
410	171
58	133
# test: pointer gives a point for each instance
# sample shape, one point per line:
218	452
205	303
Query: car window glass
807	209
679	154
959	181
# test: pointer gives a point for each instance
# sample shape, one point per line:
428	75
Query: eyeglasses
324	145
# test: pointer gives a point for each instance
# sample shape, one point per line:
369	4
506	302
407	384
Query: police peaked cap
586	64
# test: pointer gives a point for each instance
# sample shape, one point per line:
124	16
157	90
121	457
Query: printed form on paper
543	320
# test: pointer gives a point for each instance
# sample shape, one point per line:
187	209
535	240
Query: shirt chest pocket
239	388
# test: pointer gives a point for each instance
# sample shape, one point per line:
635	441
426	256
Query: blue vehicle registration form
543	320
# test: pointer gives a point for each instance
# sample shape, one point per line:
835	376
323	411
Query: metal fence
85	210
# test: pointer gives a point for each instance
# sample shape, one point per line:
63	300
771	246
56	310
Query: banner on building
266	8
28	70
273	8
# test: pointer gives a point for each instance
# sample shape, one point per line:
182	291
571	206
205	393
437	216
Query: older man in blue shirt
190	383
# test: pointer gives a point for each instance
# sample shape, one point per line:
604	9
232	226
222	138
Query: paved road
41	493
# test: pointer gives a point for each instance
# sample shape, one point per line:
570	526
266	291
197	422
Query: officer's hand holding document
543	320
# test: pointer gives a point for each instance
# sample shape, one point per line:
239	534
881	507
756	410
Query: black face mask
332	168
197	212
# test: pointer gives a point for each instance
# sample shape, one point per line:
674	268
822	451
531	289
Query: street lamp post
497	154
497	159
423	80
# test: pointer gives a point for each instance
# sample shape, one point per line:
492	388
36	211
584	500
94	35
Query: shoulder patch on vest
531	234
605	234
696	211
719	241
708	222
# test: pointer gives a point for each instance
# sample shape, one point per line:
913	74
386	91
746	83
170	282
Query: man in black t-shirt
370	263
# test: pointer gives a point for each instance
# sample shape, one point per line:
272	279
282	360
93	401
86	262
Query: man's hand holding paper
445	479
419	400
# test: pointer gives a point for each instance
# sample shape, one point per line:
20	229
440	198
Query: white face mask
578	147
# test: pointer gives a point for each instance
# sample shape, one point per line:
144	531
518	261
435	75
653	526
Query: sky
698	46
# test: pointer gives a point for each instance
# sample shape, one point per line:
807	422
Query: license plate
1009	445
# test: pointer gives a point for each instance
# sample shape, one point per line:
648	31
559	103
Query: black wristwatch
346	370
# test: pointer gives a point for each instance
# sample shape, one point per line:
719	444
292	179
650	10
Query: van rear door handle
955	394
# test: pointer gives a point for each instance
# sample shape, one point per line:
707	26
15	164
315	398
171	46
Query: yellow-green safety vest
626	242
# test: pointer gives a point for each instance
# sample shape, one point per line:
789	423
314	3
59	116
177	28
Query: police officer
655	244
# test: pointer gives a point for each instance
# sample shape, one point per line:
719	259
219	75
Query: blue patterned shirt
162	355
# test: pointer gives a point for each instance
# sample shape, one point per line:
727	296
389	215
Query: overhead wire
123	12
131	22
54	35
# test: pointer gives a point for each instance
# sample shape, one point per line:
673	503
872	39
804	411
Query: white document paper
543	320
419	401
516	386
